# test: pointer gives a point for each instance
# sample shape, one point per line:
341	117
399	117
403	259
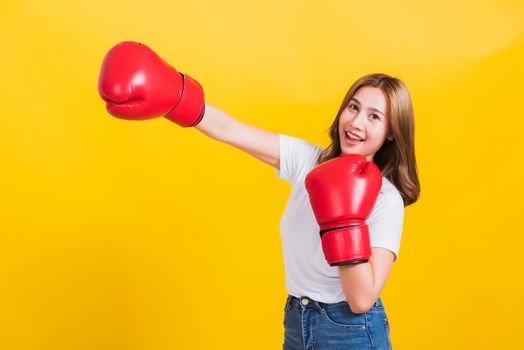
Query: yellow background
145	235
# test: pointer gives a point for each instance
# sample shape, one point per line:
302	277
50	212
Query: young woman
328	307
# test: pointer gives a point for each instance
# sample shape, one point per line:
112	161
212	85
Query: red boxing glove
137	84
342	192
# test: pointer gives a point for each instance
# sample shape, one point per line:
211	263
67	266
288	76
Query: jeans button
305	301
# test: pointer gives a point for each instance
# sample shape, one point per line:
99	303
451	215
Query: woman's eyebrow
371	108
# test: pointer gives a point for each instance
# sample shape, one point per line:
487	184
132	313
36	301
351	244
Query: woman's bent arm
261	144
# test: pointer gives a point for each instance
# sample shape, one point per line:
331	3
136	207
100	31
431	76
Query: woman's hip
330	325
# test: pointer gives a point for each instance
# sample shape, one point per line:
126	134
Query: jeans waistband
307	302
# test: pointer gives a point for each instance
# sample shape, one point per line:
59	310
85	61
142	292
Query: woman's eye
373	116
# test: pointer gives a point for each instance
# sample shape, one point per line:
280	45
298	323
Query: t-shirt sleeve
297	157
385	223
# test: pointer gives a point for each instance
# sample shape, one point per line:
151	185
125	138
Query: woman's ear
390	137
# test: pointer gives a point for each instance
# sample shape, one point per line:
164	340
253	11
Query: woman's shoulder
299	144
389	193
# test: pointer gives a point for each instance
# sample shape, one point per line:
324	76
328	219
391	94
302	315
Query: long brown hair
396	158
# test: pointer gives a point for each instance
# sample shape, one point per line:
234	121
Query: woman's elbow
360	306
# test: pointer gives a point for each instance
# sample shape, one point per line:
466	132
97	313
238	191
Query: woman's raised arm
137	84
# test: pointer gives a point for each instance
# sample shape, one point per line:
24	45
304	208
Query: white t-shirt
307	271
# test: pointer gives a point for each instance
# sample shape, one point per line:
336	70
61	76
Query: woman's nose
357	121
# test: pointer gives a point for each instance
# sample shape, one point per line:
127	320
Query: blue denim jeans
312	325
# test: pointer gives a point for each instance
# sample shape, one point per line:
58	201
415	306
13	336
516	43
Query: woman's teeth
353	137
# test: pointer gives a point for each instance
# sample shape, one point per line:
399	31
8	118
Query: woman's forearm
358	285
215	122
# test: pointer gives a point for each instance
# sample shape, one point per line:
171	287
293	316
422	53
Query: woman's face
364	118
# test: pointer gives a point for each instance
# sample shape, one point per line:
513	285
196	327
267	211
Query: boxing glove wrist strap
346	245
190	107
